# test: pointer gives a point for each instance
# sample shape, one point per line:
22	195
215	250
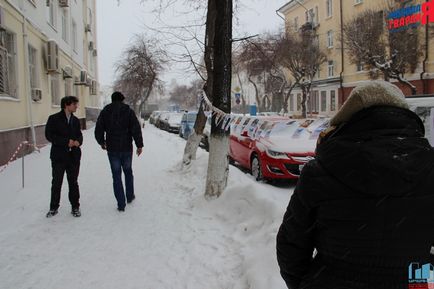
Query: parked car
273	148
171	122
154	116
187	124
161	118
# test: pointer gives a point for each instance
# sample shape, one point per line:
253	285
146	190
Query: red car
274	148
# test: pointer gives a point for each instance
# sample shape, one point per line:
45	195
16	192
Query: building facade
338	76
47	50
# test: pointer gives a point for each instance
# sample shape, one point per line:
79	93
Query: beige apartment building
47	51
338	76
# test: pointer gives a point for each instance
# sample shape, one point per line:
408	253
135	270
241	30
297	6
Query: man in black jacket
116	127
365	203
63	131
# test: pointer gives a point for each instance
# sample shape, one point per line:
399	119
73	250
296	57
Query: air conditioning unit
95	53
63	3
36	94
87	28
83	77
94	88
67	72
89	81
52	56
91	45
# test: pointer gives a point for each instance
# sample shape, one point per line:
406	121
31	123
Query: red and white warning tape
13	157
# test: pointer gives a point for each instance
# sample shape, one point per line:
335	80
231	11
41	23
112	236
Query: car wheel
256	168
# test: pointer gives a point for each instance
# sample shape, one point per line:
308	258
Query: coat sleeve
52	136
79	133
294	242
100	129
136	129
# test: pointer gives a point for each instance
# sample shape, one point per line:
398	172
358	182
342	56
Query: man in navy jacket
116	128
63	131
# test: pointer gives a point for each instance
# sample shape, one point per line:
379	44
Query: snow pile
169	237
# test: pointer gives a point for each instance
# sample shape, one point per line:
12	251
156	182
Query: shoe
132	199
76	212
121	209
51	213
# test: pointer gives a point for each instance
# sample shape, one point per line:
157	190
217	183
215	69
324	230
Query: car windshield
284	128
175	118
191	117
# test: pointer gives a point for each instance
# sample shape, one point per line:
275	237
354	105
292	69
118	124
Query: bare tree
139	70
302	56
260	59
186	95
392	53
218	59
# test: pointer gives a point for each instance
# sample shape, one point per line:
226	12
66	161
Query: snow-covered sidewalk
169	237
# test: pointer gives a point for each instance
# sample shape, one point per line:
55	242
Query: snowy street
169	237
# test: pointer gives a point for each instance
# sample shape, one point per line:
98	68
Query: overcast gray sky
118	24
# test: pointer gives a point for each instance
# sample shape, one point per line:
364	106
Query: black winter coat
366	204
117	126
59	132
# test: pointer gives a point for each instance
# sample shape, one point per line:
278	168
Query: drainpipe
424	81
341	77
278	14
27	90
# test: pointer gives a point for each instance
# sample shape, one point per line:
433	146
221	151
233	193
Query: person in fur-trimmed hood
361	215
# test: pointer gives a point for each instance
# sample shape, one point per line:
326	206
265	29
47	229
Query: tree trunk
195	137
407	83
218	165
303	103
243	100
258	101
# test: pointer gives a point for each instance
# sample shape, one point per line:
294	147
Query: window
54	86
296	23
358	2
360	66
329	7
332	100
8	64
68	86
312	15
298	101
65	23
331	68
52	13
313	101
291	102
74	35
323	100
330	38
33	71
77	90
90	16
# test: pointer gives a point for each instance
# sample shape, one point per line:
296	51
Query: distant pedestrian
63	131
365	203
116	128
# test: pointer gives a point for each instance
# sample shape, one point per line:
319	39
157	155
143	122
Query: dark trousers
121	161
72	169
